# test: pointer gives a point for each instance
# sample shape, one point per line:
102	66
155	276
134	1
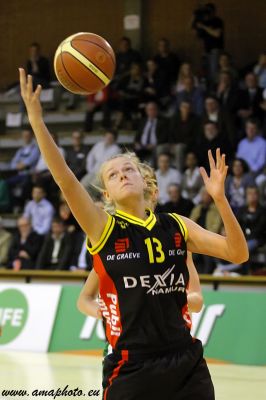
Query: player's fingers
222	166
22	79
204	174
211	160
29	85
38	91
218	158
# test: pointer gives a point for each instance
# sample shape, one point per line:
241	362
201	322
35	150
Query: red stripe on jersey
108	302
124	354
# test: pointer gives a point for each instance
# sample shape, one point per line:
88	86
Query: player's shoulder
175	220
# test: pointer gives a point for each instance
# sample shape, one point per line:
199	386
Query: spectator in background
192	95
38	66
5	242
166	175
65	214
39	211
252	218
192	181
249	99
211	31
42	176
97	102
130	93
236	184
152	133
184	129
226	93
225	66
155	85
211	139
206	215
57	249
260	71
252	149
185	71
22	164
177	203
99	153
167	60
261	185
4	197
25	246
214	113
76	155
125	57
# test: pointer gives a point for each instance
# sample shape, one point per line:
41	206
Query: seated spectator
38	66
57	249
125	57
192	181
211	139
165	175
184	128
42	176
177	203
4	197
252	218
39	211
22	164
192	95
213	112
76	155
25	246
252	148
155	85
65	214
97	102
130	92
167	61
206	215
261	184
99	153
152	133
82	259
260	71
5	242
185	71
225	66
249	100
226	93
236	183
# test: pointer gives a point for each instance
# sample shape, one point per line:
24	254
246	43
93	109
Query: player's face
122	180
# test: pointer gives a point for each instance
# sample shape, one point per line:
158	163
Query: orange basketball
84	63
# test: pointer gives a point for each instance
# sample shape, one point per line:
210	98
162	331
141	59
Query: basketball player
140	261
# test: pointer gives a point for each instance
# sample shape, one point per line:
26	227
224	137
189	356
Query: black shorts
174	375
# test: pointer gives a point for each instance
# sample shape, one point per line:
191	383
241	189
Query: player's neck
135	209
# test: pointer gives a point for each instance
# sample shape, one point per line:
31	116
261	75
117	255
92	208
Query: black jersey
143	278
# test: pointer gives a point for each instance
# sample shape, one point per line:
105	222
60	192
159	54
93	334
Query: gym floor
37	371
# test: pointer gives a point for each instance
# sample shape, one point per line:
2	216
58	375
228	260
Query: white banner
27	315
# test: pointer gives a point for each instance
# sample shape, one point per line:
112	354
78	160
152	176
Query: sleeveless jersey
143	279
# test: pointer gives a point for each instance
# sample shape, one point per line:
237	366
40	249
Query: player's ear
106	195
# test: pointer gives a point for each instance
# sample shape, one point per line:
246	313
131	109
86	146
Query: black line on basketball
86	67
96	44
86	90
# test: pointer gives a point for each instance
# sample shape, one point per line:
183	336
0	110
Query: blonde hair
146	171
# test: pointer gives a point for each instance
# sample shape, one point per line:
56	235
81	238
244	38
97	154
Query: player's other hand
31	98
218	171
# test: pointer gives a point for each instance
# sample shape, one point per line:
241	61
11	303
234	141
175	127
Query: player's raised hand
31	98
218	171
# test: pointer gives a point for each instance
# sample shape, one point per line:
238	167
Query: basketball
84	63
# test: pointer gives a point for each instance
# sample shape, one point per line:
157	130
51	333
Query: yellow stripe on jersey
181	224
148	223
103	239
68	48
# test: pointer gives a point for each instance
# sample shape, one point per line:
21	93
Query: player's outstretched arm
233	246
91	218
194	296
86	302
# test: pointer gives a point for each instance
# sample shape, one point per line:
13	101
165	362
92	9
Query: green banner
231	326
